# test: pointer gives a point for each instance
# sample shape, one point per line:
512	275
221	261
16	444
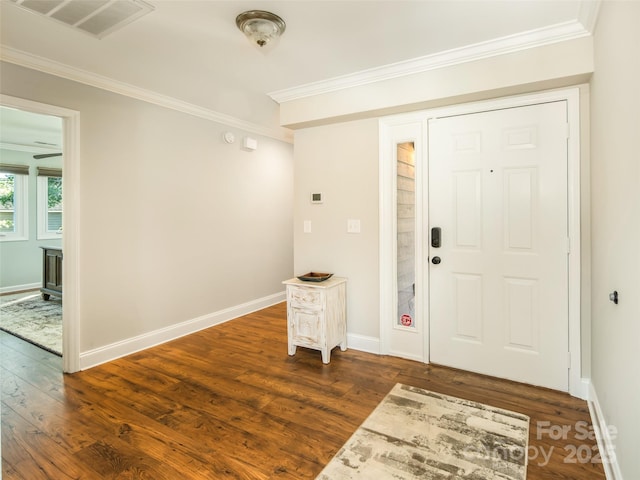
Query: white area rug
417	434
35	320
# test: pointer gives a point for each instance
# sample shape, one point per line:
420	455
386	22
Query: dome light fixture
260	27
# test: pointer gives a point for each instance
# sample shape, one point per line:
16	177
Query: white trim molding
363	343
128	346
588	14
45	65
71	224
602	430
500	46
410	343
19	288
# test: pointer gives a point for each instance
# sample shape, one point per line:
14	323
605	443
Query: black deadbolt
436	241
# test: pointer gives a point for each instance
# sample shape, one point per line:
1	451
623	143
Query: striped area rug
418	434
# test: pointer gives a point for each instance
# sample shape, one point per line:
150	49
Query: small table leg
326	355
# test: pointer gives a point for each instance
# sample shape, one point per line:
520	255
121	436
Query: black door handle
436	260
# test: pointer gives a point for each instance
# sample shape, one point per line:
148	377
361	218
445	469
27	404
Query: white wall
615	191
21	260
175	224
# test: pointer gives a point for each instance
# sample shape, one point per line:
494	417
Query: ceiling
191	51
30	132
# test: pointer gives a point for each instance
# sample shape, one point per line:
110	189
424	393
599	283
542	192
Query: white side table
317	315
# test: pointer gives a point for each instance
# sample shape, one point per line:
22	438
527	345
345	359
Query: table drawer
301	297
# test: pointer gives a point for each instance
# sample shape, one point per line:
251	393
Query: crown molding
45	65
513	43
588	14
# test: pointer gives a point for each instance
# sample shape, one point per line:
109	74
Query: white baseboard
406	355
606	446
128	346
363	343
581	390
19	288
367	344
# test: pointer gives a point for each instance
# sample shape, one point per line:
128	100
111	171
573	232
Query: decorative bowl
315	277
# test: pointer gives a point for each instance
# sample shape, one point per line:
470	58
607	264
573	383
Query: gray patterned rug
417	434
35	320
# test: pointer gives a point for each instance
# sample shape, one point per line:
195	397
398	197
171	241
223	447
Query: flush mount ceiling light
260	27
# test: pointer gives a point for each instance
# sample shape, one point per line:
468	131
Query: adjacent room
319	239
31	247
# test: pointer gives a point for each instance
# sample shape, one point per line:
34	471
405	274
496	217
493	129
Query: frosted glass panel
406	228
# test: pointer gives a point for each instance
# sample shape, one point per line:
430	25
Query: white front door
498	298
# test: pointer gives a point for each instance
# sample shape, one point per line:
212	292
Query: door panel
521	312
467	303
467	206
498	190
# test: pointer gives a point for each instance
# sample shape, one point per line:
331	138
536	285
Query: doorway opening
48	224
31	211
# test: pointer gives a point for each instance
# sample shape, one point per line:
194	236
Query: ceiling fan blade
46	155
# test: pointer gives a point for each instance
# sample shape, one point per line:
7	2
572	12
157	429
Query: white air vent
96	17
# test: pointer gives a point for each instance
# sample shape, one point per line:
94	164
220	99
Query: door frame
70	223
412	129
387	229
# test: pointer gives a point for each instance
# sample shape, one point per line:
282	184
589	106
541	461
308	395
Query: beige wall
175	224
341	161
615	189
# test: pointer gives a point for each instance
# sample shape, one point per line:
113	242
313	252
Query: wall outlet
353	226
306	228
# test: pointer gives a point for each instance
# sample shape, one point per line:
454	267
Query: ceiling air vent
96	17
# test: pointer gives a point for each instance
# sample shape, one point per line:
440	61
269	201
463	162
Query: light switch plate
307	226
353	226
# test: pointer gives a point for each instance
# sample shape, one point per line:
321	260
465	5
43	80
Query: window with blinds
14	208
49	203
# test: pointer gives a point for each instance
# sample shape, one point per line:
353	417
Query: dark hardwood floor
229	403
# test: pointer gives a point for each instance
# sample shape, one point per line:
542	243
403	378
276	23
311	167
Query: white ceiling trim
588	14
58	69
513	43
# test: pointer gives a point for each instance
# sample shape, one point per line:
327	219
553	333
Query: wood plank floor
229	403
